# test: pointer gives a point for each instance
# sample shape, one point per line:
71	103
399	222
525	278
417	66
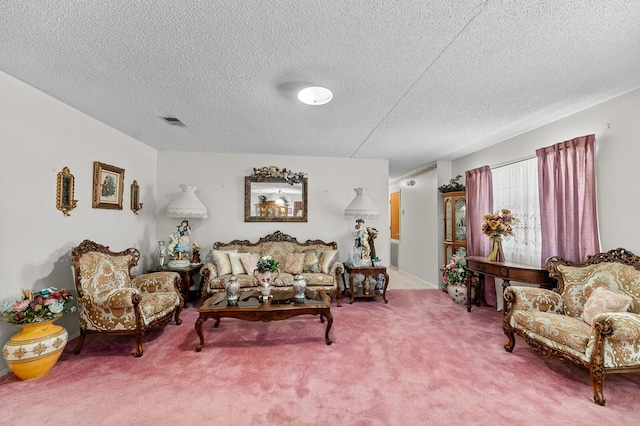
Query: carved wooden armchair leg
179	310
508	331
597	375
140	335
509	301
78	347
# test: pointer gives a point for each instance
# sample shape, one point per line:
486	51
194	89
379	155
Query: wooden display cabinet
455	222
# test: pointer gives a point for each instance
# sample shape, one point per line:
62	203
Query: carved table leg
351	286
329	317
386	284
199	322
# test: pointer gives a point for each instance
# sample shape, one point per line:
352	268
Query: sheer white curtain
515	187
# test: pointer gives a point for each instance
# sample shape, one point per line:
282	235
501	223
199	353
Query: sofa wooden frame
602	327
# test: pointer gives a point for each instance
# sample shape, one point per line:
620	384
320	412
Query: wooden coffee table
251	307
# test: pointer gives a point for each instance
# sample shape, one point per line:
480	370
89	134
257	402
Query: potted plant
454	277
453	185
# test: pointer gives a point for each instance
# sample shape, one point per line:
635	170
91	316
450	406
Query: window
515	187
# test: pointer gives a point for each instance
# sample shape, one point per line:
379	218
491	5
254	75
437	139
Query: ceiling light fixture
315	95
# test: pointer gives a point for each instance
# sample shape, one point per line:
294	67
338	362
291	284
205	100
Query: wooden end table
186	277
367	271
252	307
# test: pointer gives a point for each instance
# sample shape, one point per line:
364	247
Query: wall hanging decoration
108	184
64	192
136	205
272	194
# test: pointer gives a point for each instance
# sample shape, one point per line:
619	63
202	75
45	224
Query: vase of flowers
497	226
34	350
454	277
266	267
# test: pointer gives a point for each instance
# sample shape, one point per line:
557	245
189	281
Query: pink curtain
479	184
567	190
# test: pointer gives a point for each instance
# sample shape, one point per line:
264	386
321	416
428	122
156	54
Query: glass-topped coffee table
252	306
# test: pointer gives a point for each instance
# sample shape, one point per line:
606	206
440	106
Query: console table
507	271
367	271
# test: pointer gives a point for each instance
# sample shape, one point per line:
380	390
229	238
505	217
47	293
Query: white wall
420	228
38	137
617	128
220	182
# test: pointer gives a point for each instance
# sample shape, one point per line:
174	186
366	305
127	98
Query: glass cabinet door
461	219
448	218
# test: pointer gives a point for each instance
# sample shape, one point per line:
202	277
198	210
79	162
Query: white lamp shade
362	205
187	205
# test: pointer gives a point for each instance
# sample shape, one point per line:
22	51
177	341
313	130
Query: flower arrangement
40	306
275	172
453	272
498	225
267	263
453	185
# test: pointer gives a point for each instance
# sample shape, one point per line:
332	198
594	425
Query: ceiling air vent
173	121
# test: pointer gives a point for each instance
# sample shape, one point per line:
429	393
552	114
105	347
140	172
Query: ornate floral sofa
592	318
317	262
111	300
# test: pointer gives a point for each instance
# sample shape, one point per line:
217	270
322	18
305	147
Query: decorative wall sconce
136	205
64	192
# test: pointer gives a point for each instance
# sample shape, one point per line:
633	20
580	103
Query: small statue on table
162	252
195	254
179	246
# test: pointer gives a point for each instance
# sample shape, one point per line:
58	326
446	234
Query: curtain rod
508	163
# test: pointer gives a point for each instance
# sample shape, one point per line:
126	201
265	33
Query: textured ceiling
413	82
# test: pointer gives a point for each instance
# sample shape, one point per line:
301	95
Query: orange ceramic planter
34	351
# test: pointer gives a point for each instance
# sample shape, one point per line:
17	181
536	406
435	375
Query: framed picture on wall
108	183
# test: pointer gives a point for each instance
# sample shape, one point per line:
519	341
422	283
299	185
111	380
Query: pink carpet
418	360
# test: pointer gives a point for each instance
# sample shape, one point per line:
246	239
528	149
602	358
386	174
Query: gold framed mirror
64	192
274	199
136	205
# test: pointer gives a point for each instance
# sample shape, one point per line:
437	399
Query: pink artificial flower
20	306
50	301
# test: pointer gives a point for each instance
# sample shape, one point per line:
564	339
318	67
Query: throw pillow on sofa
294	263
249	261
327	259
604	300
311	260
221	259
236	263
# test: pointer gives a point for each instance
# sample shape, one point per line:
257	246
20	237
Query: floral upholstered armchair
111	300
592	318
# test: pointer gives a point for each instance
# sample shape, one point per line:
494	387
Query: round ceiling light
315	95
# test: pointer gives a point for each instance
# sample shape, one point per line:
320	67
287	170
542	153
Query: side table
367	271
186	277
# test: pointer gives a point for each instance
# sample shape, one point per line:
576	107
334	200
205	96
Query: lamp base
179	263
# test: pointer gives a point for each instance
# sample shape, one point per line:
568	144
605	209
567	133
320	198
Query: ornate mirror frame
253	212
136	205
64	192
